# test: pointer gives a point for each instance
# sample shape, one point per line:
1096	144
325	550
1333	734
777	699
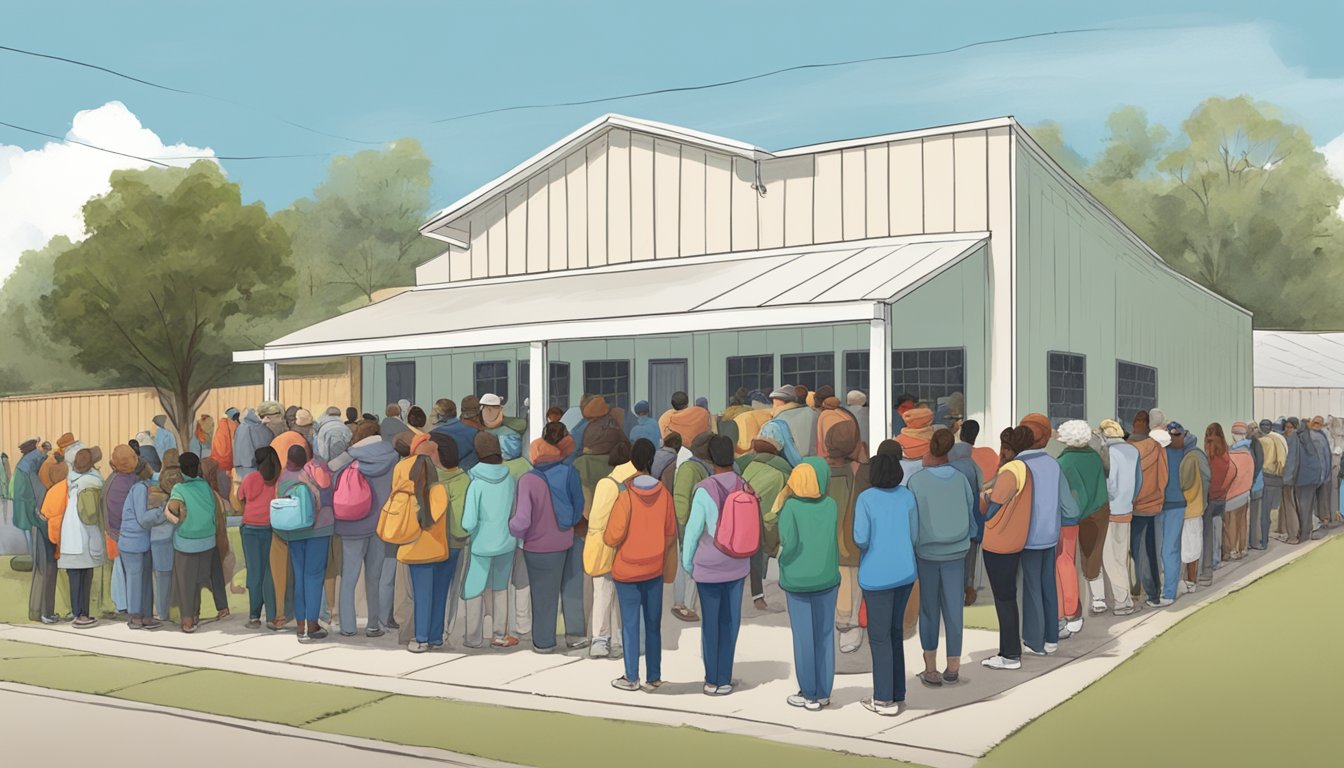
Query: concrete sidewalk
948	727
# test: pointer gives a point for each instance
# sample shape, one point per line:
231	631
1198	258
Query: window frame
629	381
786	378
728	375
387	378
1050	387
867	368
1157	376
897	389
476	379
524	383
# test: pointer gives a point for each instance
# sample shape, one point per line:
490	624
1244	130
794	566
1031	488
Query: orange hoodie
643	529
1153	483
1006	531
53	510
690	422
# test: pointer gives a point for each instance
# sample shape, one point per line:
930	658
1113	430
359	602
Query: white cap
1161	436
491	399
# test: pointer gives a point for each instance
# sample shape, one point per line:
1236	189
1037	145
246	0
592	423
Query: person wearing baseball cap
1122	485
509	432
1275	451
778	428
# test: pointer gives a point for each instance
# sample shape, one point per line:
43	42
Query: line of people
572	544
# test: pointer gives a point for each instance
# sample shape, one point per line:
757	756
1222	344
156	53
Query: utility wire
781	71
155	160
82	144
171	89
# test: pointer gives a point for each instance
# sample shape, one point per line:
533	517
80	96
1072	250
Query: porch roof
805	285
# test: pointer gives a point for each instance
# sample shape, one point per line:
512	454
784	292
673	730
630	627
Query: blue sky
379	71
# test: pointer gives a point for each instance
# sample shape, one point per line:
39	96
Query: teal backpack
292	507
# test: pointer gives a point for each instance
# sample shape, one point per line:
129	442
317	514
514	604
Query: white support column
538	382
270	382
879	375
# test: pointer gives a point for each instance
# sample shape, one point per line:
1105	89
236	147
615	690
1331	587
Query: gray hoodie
330	437
251	435
376	459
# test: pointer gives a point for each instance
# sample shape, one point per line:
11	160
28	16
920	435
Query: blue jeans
634	598
139	570
886	640
1143	549
544	570
1171	521
118	586
430	584
257	561
161	555
571	593
942	590
721	617
1040	598
309	558
812	619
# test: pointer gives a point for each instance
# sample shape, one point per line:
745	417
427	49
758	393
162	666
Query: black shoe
317	634
392	625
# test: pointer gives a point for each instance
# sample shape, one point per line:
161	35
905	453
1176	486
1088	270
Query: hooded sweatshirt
944	514
802	423
663	460
1051	500
331	433
221	445
490	502
141	516
700	557
646	428
465	437
1122	485
82	544
377	459
251	435
1087	481
809	554
1174	495
534	521
767	473
688	477
778	429
597	555
1309	461
390	427
28	491
1152	477
689	422
641	529
1195	474
884	526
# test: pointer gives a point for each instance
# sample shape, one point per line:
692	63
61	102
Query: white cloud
1334	161
43	191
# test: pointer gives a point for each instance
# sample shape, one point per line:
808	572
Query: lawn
1249	680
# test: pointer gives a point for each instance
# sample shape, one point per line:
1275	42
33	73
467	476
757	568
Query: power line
171	89
154	160
82	144
781	71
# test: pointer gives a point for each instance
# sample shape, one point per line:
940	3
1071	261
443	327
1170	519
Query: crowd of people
568	538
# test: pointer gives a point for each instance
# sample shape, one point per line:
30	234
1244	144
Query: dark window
1135	388
401	381
609	378
492	377
751	372
559	384
810	370
856	372
933	376
1067	398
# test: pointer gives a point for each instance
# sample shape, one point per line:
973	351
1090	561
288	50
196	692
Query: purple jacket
533	518
709	565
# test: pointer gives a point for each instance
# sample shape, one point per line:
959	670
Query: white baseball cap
491	399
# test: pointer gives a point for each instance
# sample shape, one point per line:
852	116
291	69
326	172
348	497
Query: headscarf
541	452
86	458
595	408
856	399
842	443
1039	426
124	459
914	438
804	482
1110	428
405	406
422	446
766	445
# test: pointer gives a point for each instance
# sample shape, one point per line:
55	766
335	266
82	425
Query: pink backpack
738	533
353	499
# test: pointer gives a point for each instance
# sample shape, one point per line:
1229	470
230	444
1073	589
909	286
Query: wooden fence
109	417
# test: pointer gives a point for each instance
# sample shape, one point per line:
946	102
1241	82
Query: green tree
172	255
1240	201
359	232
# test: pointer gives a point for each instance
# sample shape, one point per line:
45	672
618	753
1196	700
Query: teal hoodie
489	505
809	551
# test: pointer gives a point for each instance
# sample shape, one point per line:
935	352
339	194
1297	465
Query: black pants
759	562
886	615
42	595
81	589
1143	549
1002	572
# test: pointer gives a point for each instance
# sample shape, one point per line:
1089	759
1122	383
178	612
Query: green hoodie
455	481
1087	480
766	473
489	506
809	555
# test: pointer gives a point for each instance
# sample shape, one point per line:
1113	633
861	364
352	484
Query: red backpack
738	533
353	499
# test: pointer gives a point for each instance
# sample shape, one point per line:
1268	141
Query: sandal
931	679
508	641
685	614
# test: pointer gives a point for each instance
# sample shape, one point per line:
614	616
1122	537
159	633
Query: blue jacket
164	440
778	429
489	505
1174	497
465	437
884	524
1052	501
1308	458
646	428
139	524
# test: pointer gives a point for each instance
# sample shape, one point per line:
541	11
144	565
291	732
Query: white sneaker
1188	587
723	690
1051	647
1064	633
599	650
816	706
883	708
797	700
999	662
1098	607
1076	625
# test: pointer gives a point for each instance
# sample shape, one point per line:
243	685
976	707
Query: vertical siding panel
939	184
538	222
497	263
854	193
971	213
471	262
598	213
718	203
876	179
746	226
906	178
515	236
666	199
692	201
771	207
798	206
618	197
827	199
577	208
557	247
641	197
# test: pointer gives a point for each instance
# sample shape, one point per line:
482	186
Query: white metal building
1298	374
958	263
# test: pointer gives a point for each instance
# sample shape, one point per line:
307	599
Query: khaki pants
1115	565
606	618
848	599
280	574
1235	527
1092	541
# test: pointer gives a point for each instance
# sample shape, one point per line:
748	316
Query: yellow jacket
749	426
1276	454
597	556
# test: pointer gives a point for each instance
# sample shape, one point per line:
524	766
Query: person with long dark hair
882	526
308	547
1007	520
429	558
255	493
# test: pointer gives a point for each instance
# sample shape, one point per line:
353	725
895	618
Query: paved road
100	733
